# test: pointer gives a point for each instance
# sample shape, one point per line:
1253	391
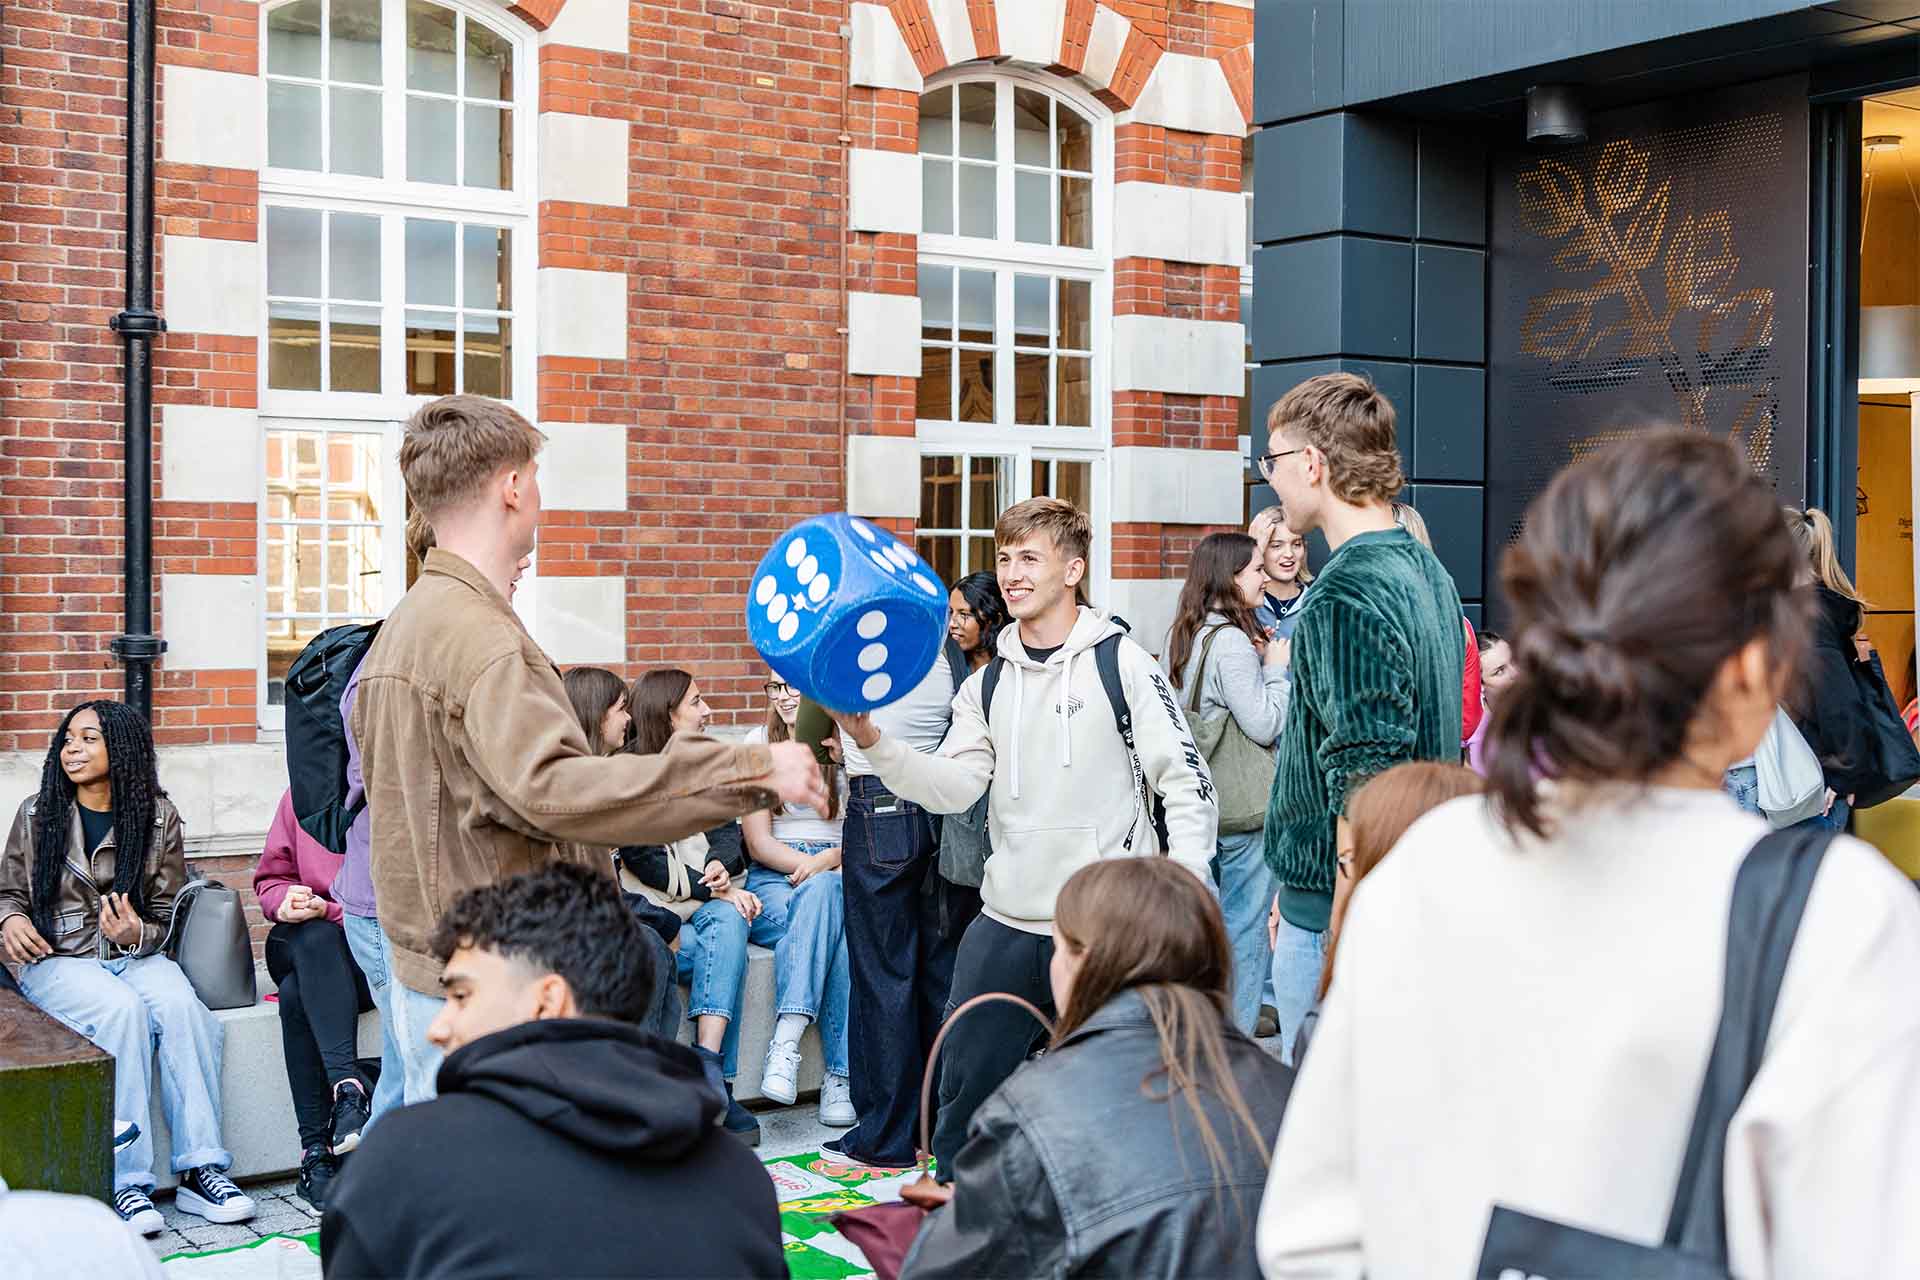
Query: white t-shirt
919	720
802	823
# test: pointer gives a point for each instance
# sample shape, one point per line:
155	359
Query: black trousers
991	1042
900	949
322	995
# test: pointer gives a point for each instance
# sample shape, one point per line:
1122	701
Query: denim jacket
1079	1166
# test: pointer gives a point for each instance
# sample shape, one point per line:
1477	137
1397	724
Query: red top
293	857
1470	706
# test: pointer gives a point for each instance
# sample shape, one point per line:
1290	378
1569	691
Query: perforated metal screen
1656	275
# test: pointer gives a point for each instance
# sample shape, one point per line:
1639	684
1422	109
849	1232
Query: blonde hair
1261	528
1345	417
1064	524
1414	523
454	445
1813	534
420	539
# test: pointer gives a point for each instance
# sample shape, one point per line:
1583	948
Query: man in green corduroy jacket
1377	654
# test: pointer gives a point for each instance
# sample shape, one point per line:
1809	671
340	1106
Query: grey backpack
964	846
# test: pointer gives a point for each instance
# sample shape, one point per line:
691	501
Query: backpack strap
988	683
956	663
1106	660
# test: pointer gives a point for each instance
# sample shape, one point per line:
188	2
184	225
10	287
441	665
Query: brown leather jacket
476	767
76	907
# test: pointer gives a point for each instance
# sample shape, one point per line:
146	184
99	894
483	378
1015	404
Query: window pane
489	63
1074	483
487	339
489	148
429	353
943	553
279	570
354	143
976	386
309	568
1031	323
1076	315
1076	139
939	492
430	125
353	257
293	346
976	201
1032	144
353	349
1030	389
936	196
936	123
936	303
933	398
293	40
987	478
1073	396
293	252
485	270
979	556
354	41
976	121
1033	207
293	125
429	262
305	472
976	305
1076	212
363	570
430	38
353	473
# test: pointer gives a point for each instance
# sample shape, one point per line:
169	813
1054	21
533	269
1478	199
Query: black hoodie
561	1148
1829	710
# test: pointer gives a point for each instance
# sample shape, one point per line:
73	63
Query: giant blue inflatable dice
846	613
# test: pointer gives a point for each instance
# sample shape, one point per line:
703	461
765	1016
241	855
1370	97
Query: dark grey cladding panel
1450	303
1302	51
1271	381
1456	517
1453	188
1376	298
1450	417
1379	176
1334	173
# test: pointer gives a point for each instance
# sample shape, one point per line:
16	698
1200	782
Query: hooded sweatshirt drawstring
1060	710
1019	717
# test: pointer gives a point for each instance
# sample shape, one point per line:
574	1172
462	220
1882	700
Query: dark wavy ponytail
1639	572
135	779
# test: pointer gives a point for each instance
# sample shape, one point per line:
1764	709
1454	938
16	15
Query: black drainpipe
137	326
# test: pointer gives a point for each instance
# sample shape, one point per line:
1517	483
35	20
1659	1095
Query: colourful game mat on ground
810	1186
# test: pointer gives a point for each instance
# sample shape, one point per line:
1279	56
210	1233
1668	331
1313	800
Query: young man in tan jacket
476	767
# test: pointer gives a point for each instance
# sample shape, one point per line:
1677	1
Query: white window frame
1008	257
394	199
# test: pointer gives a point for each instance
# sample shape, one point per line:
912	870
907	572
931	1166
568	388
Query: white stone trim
1189	93
206	619
584	467
1182	357
209	454
880	59
226	794
883	476
590	24
1148	605
1179	224
1031	31
582	313
883	334
1177	486
209	118
1104	44
883	191
211	286
581	619
583	158
955	28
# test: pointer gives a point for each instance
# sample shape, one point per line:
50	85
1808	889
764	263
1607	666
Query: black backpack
316	734
1106	660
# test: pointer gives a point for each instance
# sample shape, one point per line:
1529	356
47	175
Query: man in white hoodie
1067	790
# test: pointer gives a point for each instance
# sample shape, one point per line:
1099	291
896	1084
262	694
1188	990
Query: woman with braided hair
87	886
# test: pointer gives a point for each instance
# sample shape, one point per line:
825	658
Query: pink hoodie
293	857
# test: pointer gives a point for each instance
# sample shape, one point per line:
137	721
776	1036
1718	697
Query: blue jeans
413	1013
1297	958
363	940
1246	892
1743	784
810	970
1834	819
143	1012
713	962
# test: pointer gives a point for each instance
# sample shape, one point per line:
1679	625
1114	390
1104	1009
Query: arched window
1015	294
397	226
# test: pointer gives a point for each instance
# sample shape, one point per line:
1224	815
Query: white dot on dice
864	529
796	552
818	588
808	568
876	686
921	581
777	609
879	558
763	592
871	624
789	625
873	657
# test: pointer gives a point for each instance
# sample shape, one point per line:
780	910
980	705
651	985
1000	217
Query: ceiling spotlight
1555	115
1881	142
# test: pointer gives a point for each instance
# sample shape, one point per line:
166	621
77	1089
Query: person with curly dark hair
557	1117
87	885
976	615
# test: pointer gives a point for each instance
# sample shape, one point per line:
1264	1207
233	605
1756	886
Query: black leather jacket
1072	1168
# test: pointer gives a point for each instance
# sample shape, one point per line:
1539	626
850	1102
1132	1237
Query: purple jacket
353	887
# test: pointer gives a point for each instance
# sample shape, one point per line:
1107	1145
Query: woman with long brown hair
1225	664
1529	987
1146	1124
599	699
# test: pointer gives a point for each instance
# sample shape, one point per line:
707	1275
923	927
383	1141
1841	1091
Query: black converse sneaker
350	1115
317	1171
208	1192
136	1209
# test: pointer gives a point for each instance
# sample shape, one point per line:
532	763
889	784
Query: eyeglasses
1266	460
965	615
780	689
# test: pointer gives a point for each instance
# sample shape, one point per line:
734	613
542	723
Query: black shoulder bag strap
988	683
1769	896
957	663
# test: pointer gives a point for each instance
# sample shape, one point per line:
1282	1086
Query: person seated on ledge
565	1141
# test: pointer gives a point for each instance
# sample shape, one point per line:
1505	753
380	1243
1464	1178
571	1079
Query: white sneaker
836	1103
137	1211
208	1192
781	1079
